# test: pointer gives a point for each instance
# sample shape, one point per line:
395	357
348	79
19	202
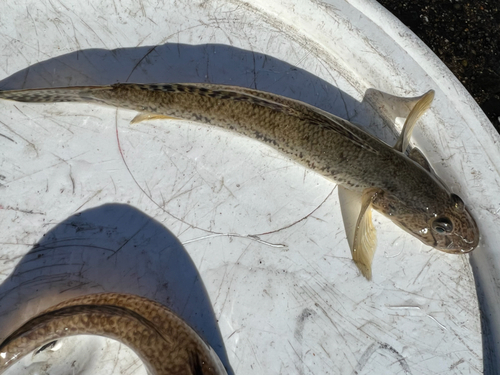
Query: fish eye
458	202
442	225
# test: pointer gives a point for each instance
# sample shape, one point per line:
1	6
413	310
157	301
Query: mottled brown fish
403	188
162	340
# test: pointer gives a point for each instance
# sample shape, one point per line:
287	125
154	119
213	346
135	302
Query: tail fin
54	95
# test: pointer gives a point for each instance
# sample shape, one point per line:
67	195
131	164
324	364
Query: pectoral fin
418	110
350	205
145	116
361	234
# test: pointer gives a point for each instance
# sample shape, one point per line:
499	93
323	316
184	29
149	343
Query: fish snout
458	244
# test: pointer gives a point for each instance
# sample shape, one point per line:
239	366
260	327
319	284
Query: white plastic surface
264	234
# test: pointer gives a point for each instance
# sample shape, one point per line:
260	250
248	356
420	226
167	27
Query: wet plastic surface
165	209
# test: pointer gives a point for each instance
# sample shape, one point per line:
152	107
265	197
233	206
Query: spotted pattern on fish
105	94
163	341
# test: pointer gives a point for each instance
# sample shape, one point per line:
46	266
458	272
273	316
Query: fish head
445	224
454	230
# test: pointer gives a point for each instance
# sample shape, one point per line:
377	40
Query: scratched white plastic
265	234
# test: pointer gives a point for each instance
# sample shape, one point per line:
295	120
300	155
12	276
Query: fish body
402	188
162	340
289	126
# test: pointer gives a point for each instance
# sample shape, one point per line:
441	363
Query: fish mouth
456	244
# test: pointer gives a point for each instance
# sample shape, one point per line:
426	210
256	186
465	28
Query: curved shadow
489	340
111	248
172	62
184	63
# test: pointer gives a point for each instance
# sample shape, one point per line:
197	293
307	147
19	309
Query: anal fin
145	116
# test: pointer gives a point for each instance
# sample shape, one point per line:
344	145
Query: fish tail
54	95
